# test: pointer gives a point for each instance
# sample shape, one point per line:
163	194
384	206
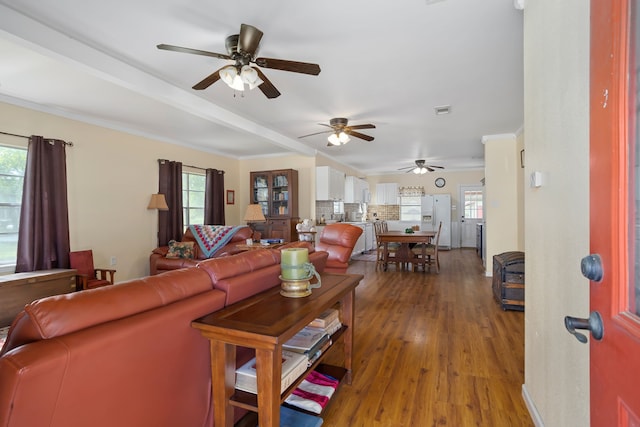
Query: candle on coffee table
292	263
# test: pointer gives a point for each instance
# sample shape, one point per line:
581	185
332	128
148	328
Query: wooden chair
89	277
430	251
392	248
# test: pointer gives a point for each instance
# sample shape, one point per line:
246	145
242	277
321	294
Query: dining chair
392	248
430	252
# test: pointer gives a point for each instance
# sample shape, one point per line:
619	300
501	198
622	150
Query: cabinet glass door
260	194
280	194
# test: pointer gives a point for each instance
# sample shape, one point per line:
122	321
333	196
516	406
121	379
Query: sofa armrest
162	251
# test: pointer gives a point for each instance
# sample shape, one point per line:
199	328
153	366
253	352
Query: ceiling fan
421	167
242	49
341	131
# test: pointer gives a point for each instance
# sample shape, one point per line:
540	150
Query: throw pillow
180	249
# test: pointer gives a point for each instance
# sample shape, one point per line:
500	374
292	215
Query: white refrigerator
436	208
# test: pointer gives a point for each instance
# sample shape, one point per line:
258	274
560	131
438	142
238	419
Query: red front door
614	221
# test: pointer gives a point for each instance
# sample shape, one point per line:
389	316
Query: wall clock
440	182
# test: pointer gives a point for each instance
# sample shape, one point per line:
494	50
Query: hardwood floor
432	350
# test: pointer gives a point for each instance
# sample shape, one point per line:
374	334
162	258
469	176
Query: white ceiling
386	63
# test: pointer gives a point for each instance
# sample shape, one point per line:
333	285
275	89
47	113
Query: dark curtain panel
170	225
214	198
43	235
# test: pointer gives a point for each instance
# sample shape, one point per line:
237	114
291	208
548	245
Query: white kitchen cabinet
354	189
387	193
329	183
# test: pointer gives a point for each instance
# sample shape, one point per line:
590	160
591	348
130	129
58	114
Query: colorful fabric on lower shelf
313	393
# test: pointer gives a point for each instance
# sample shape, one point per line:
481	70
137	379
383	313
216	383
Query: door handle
593	324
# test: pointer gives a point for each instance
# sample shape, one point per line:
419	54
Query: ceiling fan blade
208	81
193	51
367	126
324	124
249	39
293	66
317	133
361	136
267	87
430	169
408	167
437	167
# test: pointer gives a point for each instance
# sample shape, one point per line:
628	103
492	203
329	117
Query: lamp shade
159	202
254	214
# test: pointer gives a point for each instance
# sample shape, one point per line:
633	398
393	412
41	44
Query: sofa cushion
180	249
248	273
62	314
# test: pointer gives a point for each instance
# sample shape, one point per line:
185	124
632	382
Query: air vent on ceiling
443	109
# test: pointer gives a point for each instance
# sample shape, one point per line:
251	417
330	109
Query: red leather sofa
159	263
126	355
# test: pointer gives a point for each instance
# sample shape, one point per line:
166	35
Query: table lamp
254	214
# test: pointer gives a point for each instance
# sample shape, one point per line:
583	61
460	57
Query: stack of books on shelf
310	342
294	364
329	321
314	339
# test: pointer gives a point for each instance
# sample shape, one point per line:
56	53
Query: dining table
404	254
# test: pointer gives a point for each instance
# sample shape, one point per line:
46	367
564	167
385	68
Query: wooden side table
264	322
308	233
245	247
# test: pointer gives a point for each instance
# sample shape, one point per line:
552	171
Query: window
12	165
193	187
410	208
473	204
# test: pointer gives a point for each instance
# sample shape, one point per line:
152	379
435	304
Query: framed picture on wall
231	197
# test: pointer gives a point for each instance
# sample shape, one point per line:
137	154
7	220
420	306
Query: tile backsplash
381	212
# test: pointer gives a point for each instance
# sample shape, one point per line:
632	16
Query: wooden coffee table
245	247
264	322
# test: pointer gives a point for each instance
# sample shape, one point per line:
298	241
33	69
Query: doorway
471	213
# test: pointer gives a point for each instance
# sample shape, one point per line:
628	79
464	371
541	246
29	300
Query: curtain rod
70	144
190	166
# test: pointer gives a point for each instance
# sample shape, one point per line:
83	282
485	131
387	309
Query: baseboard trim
531	407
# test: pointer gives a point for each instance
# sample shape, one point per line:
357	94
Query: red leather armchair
338	240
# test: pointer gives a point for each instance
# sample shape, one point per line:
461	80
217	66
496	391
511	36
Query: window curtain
214	197
170	225
43	235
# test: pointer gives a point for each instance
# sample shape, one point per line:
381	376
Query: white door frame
461	190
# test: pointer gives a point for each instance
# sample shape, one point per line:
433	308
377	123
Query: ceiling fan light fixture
343	137
227	74
250	76
334	139
419	170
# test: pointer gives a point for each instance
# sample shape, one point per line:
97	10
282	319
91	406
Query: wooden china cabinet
276	192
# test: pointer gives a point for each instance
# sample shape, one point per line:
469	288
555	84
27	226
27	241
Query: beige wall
502	210
556	63
111	176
